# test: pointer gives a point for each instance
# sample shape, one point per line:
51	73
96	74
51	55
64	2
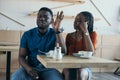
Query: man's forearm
23	62
61	42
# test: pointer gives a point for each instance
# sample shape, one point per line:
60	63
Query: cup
86	54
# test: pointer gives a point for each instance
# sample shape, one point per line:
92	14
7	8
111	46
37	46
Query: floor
105	76
96	76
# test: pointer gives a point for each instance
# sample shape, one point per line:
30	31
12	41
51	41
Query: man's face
44	19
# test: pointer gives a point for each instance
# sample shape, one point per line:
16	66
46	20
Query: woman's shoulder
71	34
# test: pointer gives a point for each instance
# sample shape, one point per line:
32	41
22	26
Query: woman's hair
89	18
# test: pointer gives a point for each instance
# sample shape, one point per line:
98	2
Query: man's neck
43	31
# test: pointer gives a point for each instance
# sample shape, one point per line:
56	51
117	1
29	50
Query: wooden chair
9	37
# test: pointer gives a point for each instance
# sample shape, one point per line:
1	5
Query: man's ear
52	21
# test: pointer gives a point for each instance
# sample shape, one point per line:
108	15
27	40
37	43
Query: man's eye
46	17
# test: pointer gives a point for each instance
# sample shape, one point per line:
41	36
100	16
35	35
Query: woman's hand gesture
83	24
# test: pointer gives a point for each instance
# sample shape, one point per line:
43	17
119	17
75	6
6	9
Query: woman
83	39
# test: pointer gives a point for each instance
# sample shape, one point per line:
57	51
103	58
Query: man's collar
40	33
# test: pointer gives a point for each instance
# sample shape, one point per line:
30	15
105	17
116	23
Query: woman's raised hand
83	24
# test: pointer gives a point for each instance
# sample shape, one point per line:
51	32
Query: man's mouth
42	23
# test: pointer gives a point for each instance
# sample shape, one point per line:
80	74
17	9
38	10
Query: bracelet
86	33
59	31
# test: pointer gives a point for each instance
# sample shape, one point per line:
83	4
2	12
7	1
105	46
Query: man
38	41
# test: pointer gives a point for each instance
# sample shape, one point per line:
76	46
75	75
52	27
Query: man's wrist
59	31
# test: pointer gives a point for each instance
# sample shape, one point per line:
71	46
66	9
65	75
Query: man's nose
42	18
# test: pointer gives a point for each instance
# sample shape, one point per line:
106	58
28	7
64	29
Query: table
8	50
76	62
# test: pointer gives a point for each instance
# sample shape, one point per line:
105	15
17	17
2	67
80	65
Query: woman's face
80	19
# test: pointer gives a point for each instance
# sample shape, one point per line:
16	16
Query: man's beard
42	26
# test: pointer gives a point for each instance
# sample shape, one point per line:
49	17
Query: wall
19	10
108	47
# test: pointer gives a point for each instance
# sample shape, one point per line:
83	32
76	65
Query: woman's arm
88	42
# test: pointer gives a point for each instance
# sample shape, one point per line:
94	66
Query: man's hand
33	73
56	23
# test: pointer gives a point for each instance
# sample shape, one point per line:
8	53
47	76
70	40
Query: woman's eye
78	21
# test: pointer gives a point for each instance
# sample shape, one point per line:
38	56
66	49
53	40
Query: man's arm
61	42
23	62
22	58
56	26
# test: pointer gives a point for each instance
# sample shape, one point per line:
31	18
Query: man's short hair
46	9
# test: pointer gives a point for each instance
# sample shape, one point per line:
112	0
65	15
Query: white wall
19	10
